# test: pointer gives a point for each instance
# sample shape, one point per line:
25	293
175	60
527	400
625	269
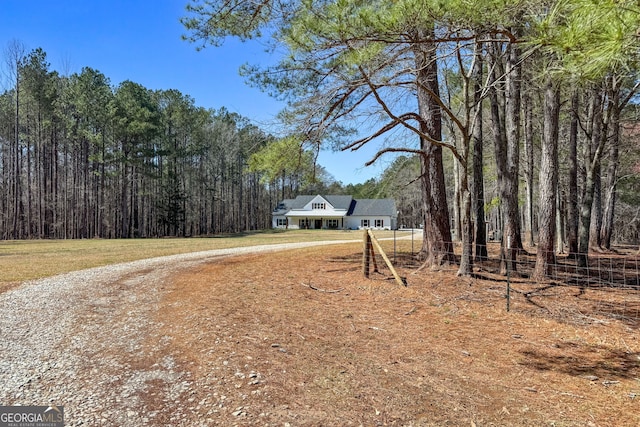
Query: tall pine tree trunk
572	205
457	202
596	207
466	224
510	189
545	257
529	169
506	135
437	247
606	229
592	149
16	154
124	199
478	161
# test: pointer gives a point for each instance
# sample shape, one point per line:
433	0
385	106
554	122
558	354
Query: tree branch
356	145
393	150
399	121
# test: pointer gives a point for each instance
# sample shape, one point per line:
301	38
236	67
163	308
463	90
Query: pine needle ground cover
302	338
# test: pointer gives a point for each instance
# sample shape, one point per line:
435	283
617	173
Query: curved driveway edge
63	338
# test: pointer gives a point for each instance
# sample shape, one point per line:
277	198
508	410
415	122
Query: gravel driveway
80	340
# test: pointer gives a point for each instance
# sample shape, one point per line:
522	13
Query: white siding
279	219
354	222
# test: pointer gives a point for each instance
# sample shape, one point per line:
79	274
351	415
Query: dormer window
318	206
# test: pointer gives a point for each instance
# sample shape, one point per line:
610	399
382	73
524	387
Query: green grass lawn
33	259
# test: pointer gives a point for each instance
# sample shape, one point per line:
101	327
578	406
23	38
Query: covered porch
315	222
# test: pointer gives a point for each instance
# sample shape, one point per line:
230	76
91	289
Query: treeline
80	158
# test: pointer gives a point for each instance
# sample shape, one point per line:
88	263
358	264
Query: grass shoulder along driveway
23	260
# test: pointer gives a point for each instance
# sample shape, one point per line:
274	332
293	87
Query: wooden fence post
373	257
399	279
366	253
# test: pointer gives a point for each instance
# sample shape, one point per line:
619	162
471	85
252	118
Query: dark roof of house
358	207
367	207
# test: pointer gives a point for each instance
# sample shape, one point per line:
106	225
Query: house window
318	206
282	222
332	223
305	223
364	223
379	223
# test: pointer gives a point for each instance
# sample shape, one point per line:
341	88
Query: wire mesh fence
607	288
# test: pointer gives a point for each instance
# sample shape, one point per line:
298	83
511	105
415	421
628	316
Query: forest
514	121
94	160
81	158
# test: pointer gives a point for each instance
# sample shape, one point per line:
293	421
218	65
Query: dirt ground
301	338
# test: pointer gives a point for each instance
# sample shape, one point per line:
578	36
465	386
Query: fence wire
607	288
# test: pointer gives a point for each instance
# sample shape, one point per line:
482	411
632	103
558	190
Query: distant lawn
23	260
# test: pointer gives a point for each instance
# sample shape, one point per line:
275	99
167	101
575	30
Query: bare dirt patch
300	338
4	287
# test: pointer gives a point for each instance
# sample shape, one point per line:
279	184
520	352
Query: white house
335	212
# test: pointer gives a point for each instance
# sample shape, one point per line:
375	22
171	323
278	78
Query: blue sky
140	41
